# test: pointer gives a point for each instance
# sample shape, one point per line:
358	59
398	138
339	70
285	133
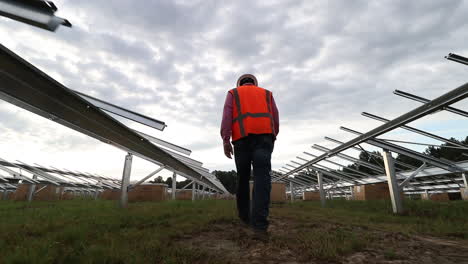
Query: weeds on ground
447	219
100	232
327	244
90	231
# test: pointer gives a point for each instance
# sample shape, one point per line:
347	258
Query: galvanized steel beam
37	13
125	113
449	166
402	164
425	101
418	131
441	102
26	86
457	58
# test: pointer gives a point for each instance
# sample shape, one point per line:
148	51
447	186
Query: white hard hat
247	76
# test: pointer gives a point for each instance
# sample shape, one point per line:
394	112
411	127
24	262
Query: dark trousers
254	151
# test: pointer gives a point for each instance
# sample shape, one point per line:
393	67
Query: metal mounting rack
434	175
25	86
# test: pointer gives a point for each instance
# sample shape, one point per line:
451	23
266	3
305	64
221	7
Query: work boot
245	226
245	222
261	235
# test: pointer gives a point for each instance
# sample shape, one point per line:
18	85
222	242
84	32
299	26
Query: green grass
99	232
445	219
88	231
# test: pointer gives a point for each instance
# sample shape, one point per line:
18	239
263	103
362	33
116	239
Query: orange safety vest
252	113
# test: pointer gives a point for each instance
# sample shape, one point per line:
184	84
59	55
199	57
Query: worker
250	118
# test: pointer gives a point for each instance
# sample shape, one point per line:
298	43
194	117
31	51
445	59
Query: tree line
168	181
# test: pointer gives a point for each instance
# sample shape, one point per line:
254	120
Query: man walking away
250	117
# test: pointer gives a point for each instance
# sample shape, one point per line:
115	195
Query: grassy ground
87	231
443	219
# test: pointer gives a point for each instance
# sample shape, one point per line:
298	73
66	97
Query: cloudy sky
324	61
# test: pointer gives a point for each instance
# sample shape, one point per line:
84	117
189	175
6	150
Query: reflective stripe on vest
241	116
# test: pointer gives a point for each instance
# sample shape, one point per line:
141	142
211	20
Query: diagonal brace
409	178
145	178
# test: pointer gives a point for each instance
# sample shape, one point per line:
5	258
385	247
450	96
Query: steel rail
297	181
402	164
37	13
441	102
418	131
457	58
425	101
123	112
336	164
304	182
449	166
26	86
44	175
164	143
341	173
349	158
421	144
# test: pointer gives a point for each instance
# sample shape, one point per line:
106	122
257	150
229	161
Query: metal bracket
145	178
36	192
409	178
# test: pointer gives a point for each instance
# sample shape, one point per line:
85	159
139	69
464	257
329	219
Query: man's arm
226	125
275	115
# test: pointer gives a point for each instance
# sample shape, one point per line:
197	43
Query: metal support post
193	190
427	194
465	179
351	191
196	190
174	185
322	192
291	190
5	195
32	188
96	192
395	194
465	185
126	180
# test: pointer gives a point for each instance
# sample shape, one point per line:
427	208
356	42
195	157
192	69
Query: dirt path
322	243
